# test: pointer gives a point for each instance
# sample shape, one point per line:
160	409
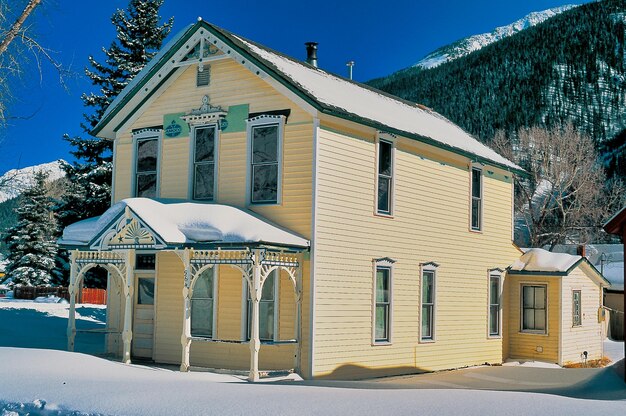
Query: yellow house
270	215
555	308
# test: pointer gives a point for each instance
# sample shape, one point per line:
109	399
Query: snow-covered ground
49	382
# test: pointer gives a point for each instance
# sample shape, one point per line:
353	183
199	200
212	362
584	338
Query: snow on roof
353	98
187	222
540	260
338	94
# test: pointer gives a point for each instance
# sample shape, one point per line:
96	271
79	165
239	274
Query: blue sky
381	37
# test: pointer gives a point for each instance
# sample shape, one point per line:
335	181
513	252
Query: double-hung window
494	304
146	165
534	310
203	304
382	307
384	191
267	309
427	331
576	310
265	137
204	157
477	199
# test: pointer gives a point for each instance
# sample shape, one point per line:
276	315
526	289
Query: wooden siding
589	336
430	223
524	345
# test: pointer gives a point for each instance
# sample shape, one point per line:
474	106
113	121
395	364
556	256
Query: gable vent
203	76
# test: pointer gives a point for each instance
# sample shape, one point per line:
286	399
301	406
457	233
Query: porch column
71	322
298	334
255	295
185	338
127	332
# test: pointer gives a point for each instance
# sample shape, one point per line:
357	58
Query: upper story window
384	191
204	162
146	163
265	155
477	199
203	76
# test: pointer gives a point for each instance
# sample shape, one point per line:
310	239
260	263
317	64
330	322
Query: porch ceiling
149	223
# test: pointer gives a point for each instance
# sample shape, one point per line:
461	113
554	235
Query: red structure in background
93	296
617	226
87	295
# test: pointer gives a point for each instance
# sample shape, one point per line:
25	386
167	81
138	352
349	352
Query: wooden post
71	322
127	332
298	355
185	338
624	295
255	295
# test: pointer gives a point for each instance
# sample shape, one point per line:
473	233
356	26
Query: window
477	196
202	304
576	316
265	134
534	308
385	177
383	303
428	305
494	305
146	167
267	308
204	152
145	261
145	291
203	76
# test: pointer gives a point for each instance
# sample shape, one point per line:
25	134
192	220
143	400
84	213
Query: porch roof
176	223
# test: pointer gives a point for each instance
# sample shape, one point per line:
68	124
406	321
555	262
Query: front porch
215	304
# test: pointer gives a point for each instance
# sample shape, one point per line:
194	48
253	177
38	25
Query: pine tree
32	241
139	37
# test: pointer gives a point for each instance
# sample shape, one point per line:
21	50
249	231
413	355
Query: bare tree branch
17	26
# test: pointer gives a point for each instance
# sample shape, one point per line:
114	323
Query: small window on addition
145	261
576	315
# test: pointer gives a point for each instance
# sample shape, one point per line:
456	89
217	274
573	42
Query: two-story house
267	215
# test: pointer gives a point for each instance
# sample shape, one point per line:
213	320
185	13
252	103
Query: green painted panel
174	126
235	119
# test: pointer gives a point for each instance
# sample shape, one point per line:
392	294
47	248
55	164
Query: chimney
311	53
581	250
350	64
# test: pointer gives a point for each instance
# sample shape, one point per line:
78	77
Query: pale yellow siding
529	346
430	223
588	336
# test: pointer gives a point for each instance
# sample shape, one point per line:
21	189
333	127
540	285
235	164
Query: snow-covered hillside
14	181
473	43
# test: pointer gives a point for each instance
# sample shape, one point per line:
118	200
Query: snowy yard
39	381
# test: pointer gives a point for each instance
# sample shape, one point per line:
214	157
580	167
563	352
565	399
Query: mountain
14	181
473	43
569	68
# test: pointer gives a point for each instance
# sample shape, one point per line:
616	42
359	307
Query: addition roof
325	92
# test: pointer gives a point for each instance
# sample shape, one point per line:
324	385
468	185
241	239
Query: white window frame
215	269
521	300
390	139
388	264
245	317
429	267
192	161
481	199
497	273
580	308
262	121
141	135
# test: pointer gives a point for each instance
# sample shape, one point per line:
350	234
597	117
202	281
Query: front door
143	317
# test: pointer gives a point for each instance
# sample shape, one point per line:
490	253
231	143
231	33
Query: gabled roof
538	261
327	93
617	223
147	223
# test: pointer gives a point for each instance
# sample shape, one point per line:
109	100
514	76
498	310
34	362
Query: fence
93	296
616	325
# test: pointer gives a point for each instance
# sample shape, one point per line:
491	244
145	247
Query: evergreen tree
32	242
139	37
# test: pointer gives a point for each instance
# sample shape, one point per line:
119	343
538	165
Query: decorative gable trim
127	230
